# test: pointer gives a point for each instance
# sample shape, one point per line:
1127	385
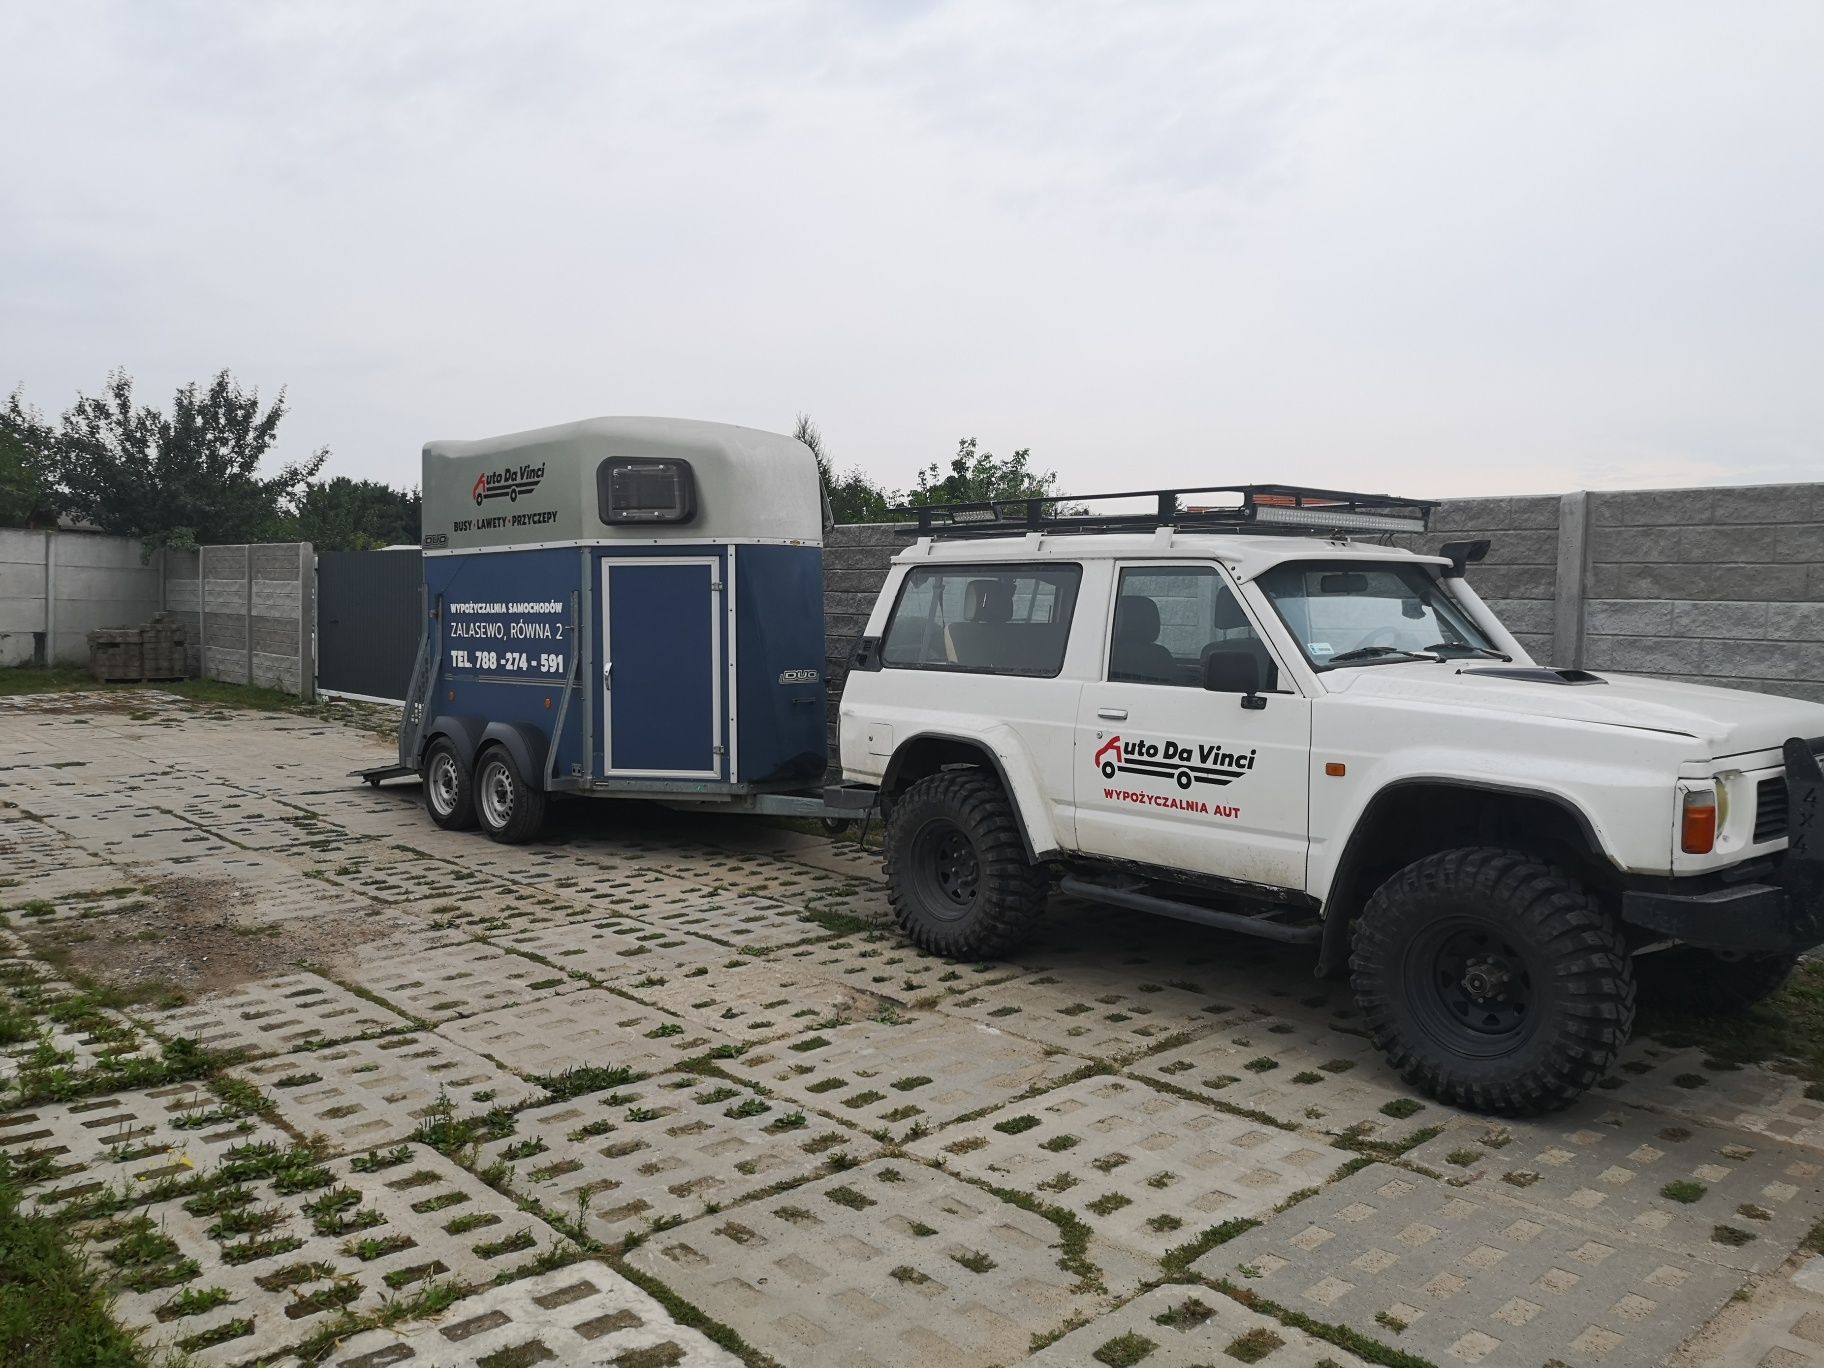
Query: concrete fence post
247	612
50	597
1572	590
202	612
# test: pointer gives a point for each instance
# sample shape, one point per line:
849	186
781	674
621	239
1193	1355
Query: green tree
357	515
25	441
188	478
976	476
847	498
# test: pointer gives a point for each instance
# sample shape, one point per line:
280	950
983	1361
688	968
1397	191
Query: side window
1170	619
982	619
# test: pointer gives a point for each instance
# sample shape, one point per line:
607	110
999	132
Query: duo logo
507	484
1184	763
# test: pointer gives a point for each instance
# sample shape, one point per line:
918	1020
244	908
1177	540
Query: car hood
1725	721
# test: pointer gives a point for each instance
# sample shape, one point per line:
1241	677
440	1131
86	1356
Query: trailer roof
541	488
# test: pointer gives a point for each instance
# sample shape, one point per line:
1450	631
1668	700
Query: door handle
1112	714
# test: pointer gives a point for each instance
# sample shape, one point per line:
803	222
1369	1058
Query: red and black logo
1183	762
507	484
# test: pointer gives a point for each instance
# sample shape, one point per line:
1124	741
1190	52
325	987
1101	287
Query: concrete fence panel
56	587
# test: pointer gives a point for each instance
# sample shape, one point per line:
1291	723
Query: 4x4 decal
1185	763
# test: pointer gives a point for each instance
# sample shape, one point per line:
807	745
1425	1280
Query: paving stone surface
1470	1277
593	1028
436	983
1189	1326
1689	1083
740	920
276	1016
618	951
651	939
1733	1198
890	1263
1145	1169
289	1242
1782	1326
1300	1073
393	875
882	963
752	999
665	1149
586	1313
372	1092
923	1074
1092	1013
124	1141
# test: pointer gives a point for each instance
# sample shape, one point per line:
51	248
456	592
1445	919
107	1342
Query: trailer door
662	667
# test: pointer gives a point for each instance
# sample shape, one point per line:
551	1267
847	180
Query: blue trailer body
680	660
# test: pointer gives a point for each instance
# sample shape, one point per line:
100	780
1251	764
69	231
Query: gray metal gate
369	616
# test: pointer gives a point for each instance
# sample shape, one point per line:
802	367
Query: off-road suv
1255	716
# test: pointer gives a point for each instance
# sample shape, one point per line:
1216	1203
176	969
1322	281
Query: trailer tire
957	874
510	807
1492	981
449	793
1701	983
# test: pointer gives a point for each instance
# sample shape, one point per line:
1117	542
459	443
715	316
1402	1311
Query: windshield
1354	612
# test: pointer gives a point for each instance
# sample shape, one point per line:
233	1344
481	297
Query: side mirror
1234	672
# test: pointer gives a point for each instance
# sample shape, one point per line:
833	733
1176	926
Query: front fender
1630	828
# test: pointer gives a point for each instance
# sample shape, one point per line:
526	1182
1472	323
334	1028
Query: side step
1138	901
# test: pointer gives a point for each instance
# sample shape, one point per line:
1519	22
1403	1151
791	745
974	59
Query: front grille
1770	809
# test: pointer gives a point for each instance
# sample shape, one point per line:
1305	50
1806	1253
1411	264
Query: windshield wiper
1463	647
1374	652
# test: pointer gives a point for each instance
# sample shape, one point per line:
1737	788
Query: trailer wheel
448	795
511	808
1492	981
957	873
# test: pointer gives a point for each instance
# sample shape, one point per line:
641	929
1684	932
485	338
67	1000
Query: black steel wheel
1483	1002
957	873
946	869
448	795
1492	981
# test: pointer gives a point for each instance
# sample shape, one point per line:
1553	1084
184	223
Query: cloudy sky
1437	248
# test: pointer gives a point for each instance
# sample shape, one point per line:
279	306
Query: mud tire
957	874
1449	921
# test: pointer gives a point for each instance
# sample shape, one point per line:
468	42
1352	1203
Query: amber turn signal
1336	769
1699	824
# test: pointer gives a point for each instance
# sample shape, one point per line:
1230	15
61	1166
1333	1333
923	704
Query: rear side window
983	619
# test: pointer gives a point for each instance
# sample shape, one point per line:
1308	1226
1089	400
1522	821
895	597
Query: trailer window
645	491
983	619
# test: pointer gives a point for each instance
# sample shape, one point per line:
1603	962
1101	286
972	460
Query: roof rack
1288	509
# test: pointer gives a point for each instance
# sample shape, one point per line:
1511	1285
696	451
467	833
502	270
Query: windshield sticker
1320	648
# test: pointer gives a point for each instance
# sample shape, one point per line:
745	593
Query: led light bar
1339	520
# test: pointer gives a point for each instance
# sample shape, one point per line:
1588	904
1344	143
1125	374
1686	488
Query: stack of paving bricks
154	651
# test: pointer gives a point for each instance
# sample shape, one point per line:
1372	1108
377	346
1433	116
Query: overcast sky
1441	248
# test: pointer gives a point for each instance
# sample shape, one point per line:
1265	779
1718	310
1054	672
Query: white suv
1318	739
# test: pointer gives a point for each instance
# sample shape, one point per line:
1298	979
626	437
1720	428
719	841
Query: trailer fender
464	733
524	742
